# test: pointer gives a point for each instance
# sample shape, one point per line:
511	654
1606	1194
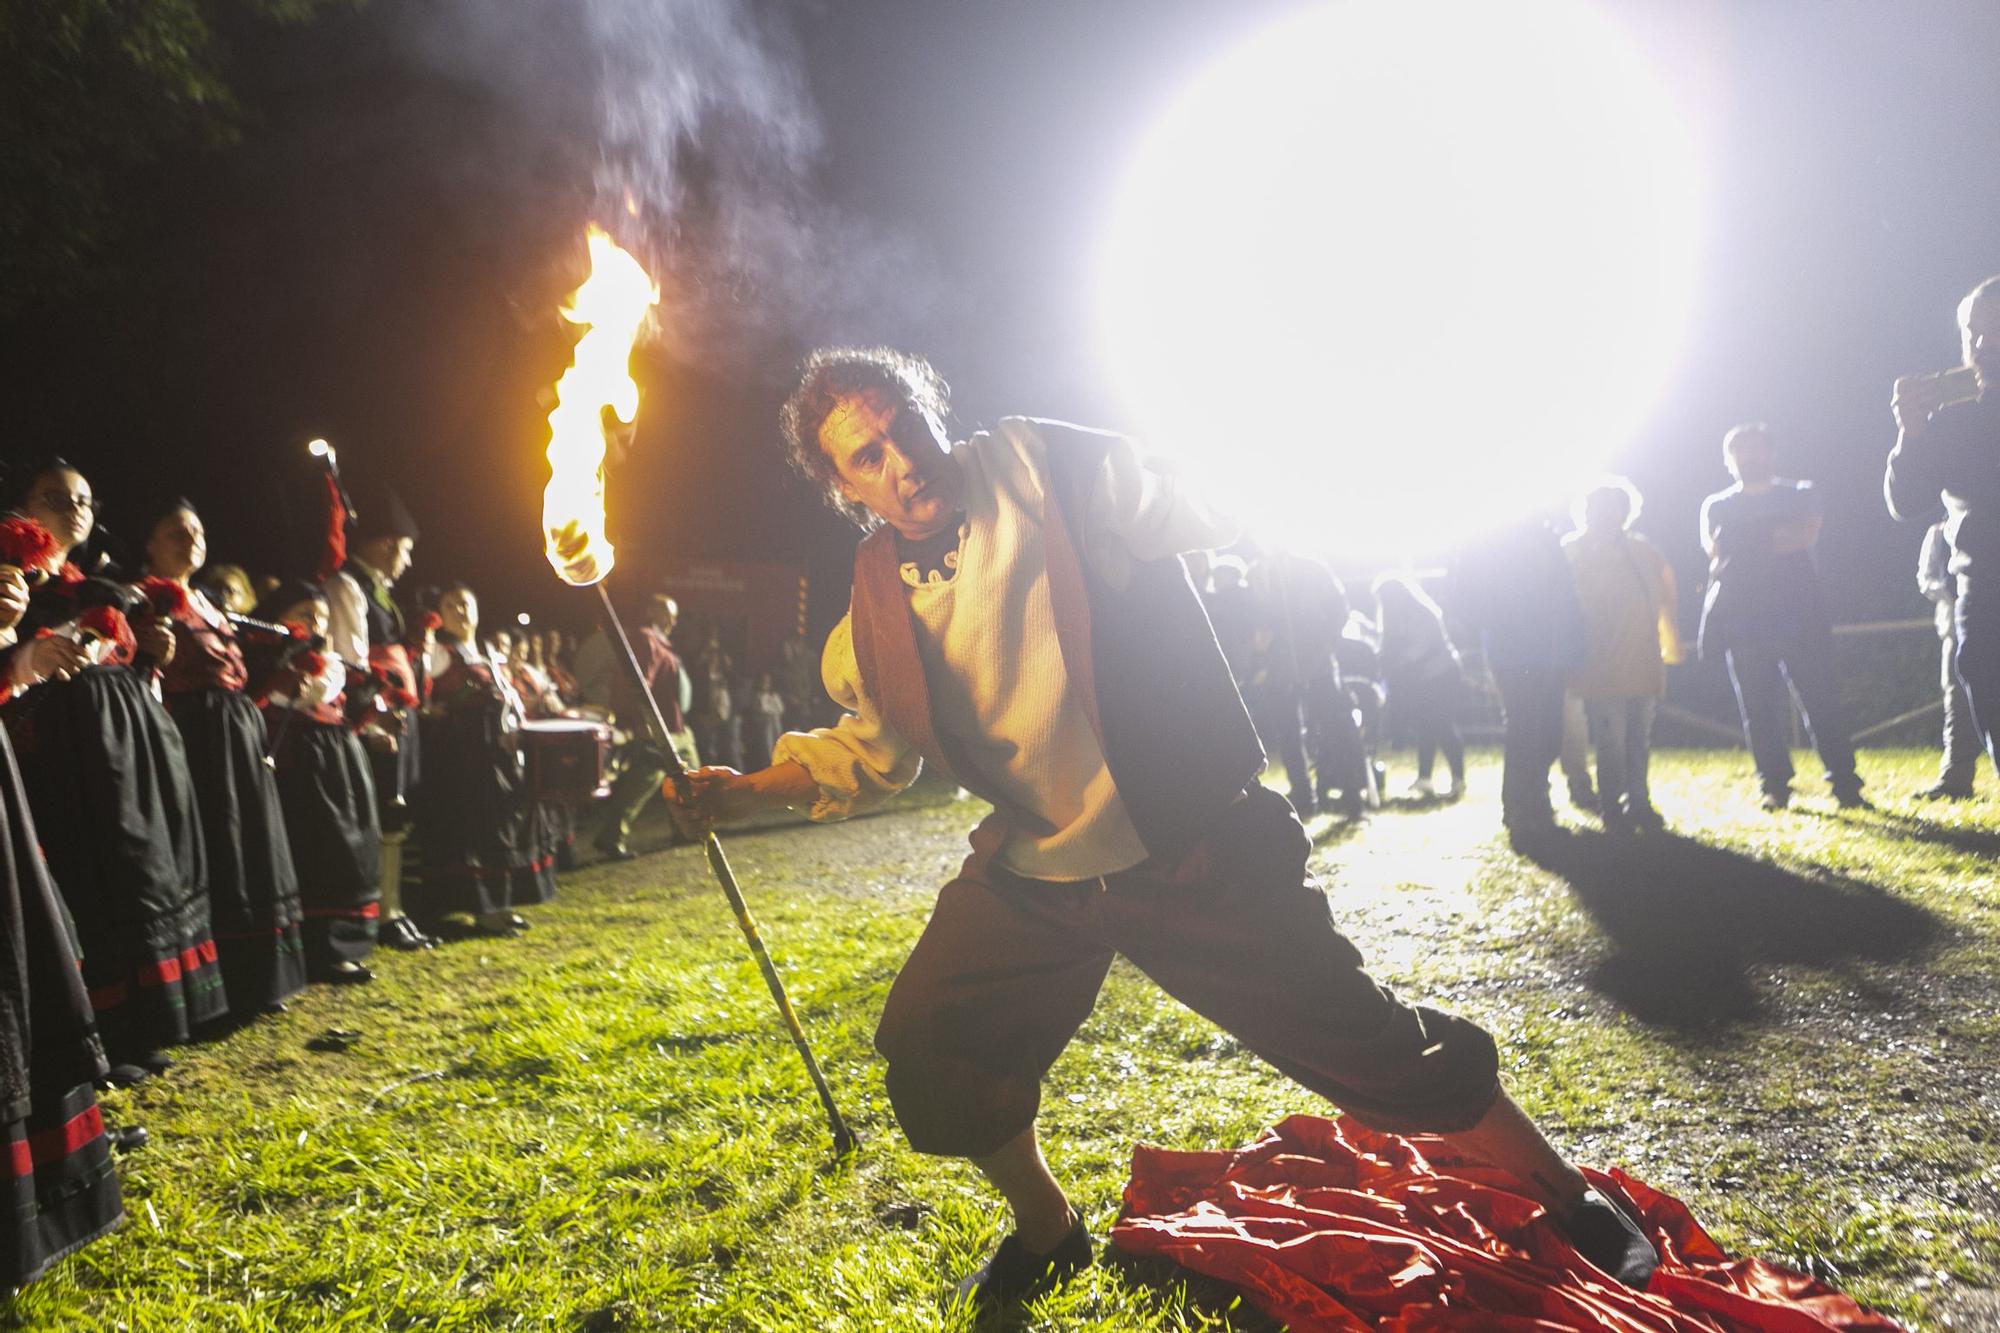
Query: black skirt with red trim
253	888
62	1189
107	780
328	795
475	821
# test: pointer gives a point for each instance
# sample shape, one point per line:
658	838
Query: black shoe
1648	820
158	1062
399	932
502	925
1014	1274
1775	801
128	1138
347	974
615	851
1852	800
1944	791
1605	1234
125	1075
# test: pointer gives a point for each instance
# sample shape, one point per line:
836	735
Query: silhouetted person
1765	612
1625	589
1947	445
1960	759
1516	590
1424	678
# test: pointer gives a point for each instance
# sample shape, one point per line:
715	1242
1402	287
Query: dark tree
92	92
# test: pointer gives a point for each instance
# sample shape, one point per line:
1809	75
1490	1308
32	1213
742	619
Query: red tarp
1327	1225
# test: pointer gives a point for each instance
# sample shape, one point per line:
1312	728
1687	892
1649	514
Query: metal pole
843	1138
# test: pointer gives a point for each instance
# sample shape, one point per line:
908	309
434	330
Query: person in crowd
767	720
62	1191
1232	613
367	631
1959	762
1625	590
228	587
1574	757
1065	671
608	692
1421	669
1947	436
481	853
554	822
1273	683
798	681
1765	613
718	722
325	786
1515	589
552	655
253	890
134	873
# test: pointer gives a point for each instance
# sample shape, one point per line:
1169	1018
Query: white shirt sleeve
858	762
347	619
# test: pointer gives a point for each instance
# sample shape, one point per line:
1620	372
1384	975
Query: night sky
379	261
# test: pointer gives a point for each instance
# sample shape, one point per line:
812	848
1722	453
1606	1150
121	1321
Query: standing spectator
1947	440
1960	760
1423	675
1232	613
326	788
253	889
1625	589
1765	612
718	728
108	780
62	1191
767	721
798	681
1517	590
605	686
1273	686
365	628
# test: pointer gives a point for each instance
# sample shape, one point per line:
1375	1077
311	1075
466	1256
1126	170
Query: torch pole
843	1138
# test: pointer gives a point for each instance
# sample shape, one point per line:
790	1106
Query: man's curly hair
833	373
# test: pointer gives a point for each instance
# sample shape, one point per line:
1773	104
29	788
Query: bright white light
1395	271
319	448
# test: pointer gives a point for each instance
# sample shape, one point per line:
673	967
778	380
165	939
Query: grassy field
1789	1020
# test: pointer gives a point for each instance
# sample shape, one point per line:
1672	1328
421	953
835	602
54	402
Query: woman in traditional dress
61	1190
475	818
108	780
325	787
253	890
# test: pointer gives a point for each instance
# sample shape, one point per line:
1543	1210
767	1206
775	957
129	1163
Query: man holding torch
1021	617
1948	435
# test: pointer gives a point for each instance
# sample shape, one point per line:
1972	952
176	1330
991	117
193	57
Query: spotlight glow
1394	271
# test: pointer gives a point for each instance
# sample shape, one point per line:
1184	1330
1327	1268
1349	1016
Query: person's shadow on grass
1687	921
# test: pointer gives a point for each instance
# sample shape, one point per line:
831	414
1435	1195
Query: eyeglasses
64	500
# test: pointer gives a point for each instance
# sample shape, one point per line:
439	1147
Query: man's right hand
718	795
1913	400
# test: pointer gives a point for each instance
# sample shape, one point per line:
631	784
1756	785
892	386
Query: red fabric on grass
1330	1226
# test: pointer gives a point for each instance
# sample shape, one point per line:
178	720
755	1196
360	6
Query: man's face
61	502
1979	337
391	556
1752	459
459	610
890	458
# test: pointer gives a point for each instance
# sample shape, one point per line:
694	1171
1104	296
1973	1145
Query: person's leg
1639	760
1960	762
1424	719
1042	1212
1525	756
1809	668
1239	932
1765	706
1978	663
1607	737
636	786
1574	754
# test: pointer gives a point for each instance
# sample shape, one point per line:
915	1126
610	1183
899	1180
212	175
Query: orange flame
612	305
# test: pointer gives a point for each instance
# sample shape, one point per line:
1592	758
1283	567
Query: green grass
600	1126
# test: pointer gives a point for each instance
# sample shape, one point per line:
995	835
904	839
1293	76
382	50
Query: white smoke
695	124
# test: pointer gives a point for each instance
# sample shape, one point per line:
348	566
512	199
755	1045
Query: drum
567	759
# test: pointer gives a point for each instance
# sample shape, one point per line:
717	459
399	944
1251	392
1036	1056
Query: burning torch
612	306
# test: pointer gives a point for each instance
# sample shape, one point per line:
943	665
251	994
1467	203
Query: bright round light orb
1394	272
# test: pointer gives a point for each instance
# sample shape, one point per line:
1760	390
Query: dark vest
385	618
1143	658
